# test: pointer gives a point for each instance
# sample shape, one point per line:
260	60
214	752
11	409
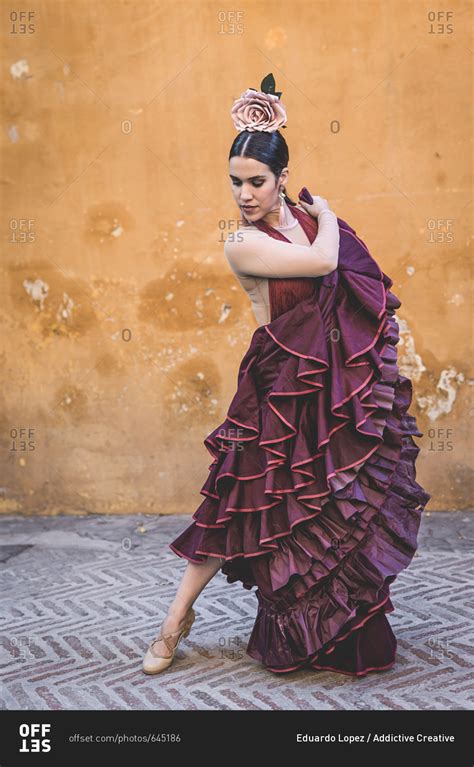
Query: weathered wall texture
122	324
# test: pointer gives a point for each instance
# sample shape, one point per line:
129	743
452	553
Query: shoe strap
164	637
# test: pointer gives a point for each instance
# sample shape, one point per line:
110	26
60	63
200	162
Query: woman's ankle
178	612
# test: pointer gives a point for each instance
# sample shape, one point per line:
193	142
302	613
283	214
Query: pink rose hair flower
259	110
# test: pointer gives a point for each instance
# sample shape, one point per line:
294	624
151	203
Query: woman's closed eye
254	183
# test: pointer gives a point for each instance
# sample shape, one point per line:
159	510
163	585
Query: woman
311	494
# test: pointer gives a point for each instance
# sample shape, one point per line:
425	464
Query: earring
282	215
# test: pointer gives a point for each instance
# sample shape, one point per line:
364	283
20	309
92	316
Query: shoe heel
189	627
152	665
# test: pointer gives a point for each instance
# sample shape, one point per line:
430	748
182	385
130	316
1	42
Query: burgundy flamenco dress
311	495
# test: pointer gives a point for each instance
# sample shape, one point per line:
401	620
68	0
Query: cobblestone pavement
83	597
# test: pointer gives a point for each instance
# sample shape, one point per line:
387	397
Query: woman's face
253	184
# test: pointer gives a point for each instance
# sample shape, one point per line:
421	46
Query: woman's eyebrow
251	178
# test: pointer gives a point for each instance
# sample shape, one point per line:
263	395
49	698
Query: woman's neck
273	216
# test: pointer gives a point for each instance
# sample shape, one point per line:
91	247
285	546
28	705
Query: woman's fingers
305	195
318	204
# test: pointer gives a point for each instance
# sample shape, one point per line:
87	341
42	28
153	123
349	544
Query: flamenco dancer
311	494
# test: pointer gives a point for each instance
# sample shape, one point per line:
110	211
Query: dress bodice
285	293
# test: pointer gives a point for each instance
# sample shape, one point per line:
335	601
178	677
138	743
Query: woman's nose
245	196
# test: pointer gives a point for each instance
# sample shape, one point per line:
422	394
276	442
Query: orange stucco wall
122	324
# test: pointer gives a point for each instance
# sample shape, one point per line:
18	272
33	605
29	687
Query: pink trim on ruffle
185	556
355	673
298	354
244	425
247	556
334	642
370	346
360	487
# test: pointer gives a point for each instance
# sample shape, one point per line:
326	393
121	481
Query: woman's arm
254	253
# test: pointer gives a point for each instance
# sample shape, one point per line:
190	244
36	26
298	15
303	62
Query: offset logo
33	738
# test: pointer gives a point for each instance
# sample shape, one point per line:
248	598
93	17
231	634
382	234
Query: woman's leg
195	578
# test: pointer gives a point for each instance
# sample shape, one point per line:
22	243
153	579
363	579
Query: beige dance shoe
154	663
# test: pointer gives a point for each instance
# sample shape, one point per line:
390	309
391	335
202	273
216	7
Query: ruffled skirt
311	495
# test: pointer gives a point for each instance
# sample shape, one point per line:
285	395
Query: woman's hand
316	206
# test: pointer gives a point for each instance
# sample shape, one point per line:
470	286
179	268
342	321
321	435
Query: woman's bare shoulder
242	235
247	228
300	207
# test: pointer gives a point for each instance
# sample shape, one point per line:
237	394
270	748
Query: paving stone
83	597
